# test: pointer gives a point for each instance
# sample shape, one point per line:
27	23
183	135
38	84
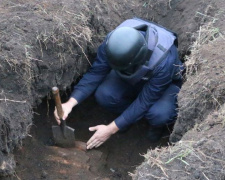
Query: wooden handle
58	103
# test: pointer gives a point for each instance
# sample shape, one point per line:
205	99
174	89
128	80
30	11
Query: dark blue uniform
154	99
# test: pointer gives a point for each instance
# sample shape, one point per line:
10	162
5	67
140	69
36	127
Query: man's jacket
162	69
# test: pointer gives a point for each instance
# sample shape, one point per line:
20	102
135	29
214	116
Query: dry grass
71	29
206	34
181	158
204	86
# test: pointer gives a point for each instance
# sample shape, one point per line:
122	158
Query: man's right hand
67	108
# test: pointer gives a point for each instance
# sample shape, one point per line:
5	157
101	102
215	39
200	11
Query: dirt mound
203	90
36	53
191	158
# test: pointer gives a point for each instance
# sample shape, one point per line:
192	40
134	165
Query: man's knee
160	117
104	96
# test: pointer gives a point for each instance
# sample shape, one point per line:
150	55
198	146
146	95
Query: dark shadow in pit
39	159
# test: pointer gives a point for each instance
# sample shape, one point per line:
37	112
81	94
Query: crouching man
136	74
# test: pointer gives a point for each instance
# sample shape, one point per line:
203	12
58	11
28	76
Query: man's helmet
126	48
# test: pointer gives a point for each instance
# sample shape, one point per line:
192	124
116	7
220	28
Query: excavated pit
49	43
118	156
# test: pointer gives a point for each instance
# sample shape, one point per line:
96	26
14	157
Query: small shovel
64	135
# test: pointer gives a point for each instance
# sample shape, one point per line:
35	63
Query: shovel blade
64	140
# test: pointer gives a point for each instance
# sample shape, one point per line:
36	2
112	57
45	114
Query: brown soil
118	156
52	43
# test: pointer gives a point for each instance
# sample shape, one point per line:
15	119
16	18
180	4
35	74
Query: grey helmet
126	48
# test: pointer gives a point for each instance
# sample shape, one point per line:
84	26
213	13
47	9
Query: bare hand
67	108
102	133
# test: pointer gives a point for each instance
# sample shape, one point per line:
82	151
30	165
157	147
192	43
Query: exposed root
12	100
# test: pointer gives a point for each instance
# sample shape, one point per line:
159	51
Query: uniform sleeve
91	80
151	92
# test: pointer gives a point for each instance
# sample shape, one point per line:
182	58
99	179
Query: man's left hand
102	133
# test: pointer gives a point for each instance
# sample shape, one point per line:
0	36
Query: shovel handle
58	103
